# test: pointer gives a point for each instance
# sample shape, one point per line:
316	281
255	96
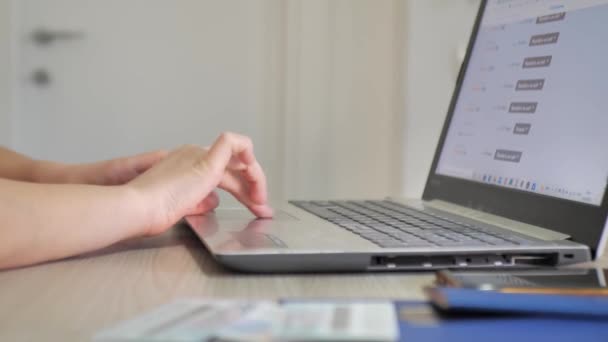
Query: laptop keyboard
391	225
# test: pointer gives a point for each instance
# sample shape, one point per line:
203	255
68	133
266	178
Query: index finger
228	145
231	144
256	179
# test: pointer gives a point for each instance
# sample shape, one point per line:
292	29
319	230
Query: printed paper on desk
206	320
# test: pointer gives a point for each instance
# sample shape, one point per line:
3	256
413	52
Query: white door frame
6	71
10	36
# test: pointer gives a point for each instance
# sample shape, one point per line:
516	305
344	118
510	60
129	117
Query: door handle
43	36
41	77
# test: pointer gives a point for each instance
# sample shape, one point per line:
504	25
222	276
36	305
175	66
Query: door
100	79
315	83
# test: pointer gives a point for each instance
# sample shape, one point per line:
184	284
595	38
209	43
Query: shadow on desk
182	236
178	237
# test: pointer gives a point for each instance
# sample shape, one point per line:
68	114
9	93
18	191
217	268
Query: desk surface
72	299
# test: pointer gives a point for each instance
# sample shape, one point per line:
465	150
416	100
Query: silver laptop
518	179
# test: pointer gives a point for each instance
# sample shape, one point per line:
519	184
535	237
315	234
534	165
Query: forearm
40	222
18	167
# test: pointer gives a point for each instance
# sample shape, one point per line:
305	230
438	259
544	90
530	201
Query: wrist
148	210
138	210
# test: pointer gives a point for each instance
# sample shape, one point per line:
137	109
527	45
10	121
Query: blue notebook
419	321
464	299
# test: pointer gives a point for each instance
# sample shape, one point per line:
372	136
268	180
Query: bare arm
40	222
18	167
44	221
22	168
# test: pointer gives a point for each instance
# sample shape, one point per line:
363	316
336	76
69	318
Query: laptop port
404	262
411	262
534	260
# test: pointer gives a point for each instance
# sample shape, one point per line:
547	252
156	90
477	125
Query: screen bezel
583	222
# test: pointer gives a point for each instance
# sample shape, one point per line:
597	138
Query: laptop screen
532	111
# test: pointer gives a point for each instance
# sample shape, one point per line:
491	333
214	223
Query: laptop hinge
502	222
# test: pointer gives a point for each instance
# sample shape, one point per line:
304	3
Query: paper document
229	320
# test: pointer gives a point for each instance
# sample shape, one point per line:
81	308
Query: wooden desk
72	299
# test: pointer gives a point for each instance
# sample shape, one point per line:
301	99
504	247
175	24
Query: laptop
518	179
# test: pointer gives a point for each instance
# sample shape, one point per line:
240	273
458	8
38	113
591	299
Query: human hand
112	172
183	182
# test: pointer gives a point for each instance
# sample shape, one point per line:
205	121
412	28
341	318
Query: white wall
437	33
5	75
